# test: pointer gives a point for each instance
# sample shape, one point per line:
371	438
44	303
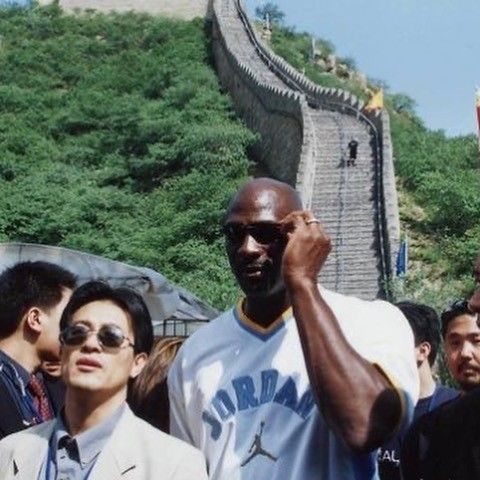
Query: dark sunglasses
263	233
109	336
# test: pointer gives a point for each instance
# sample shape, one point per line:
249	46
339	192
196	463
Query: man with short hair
32	298
425	325
295	382
461	337
443	445
106	336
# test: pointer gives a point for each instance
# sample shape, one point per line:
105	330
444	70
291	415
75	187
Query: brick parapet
381	121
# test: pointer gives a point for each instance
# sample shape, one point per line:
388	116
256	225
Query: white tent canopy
168	304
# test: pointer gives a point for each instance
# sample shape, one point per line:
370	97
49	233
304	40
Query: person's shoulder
354	313
149	437
360	309
19	438
446	394
211	333
429	424
460	412
340	299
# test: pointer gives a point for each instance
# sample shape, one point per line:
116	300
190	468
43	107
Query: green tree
401	103
272	11
117	141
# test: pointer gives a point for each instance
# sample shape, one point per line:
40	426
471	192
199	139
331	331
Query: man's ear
423	351
138	363
33	319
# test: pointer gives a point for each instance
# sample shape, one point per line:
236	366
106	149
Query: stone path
344	198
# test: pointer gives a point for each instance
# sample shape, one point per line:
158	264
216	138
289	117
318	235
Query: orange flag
376	102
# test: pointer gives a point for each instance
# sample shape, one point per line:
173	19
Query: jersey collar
264	333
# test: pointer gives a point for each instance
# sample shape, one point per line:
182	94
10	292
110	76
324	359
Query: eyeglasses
263	233
109	336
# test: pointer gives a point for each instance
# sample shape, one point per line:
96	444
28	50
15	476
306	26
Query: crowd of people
293	382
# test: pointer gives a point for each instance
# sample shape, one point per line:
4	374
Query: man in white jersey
295	382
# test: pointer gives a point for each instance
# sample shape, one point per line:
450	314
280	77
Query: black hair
457	308
30	284
425	324
127	299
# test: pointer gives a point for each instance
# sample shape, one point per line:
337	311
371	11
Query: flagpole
477	107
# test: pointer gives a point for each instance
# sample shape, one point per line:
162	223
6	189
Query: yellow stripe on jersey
258	328
401	395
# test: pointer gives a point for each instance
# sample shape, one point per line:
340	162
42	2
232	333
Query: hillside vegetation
438	178
116	140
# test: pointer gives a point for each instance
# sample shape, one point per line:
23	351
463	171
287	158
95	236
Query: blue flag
402	258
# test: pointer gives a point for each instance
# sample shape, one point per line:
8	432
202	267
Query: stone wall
274	113
281	117
186	9
381	121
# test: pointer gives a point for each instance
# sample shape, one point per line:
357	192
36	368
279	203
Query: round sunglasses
109	336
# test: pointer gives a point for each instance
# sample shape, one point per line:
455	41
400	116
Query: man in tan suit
106	334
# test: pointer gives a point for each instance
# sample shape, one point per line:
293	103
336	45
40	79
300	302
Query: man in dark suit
32	298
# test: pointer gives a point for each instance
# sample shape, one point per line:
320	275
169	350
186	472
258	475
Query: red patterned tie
40	399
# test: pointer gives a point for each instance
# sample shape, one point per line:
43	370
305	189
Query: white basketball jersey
241	394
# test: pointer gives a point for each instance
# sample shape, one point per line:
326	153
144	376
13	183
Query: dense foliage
438	181
440	184
116	140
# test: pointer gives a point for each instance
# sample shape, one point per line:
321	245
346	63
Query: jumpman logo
256	448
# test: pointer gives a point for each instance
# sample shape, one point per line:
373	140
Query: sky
428	49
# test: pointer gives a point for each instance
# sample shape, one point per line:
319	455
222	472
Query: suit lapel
117	457
30	453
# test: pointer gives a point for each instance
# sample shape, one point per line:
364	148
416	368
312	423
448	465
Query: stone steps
343	197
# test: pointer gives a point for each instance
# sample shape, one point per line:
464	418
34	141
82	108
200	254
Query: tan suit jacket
135	451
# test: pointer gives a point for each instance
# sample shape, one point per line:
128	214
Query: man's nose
467	350
249	245
92	343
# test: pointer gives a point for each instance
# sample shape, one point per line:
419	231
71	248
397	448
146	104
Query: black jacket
11	419
445	444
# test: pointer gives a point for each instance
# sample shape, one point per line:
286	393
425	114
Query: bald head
254	243
268	195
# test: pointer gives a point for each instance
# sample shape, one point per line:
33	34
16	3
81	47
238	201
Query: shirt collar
90	442
22	372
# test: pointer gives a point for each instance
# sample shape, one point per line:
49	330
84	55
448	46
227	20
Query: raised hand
308	246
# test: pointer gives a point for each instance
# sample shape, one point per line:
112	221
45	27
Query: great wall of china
304	132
